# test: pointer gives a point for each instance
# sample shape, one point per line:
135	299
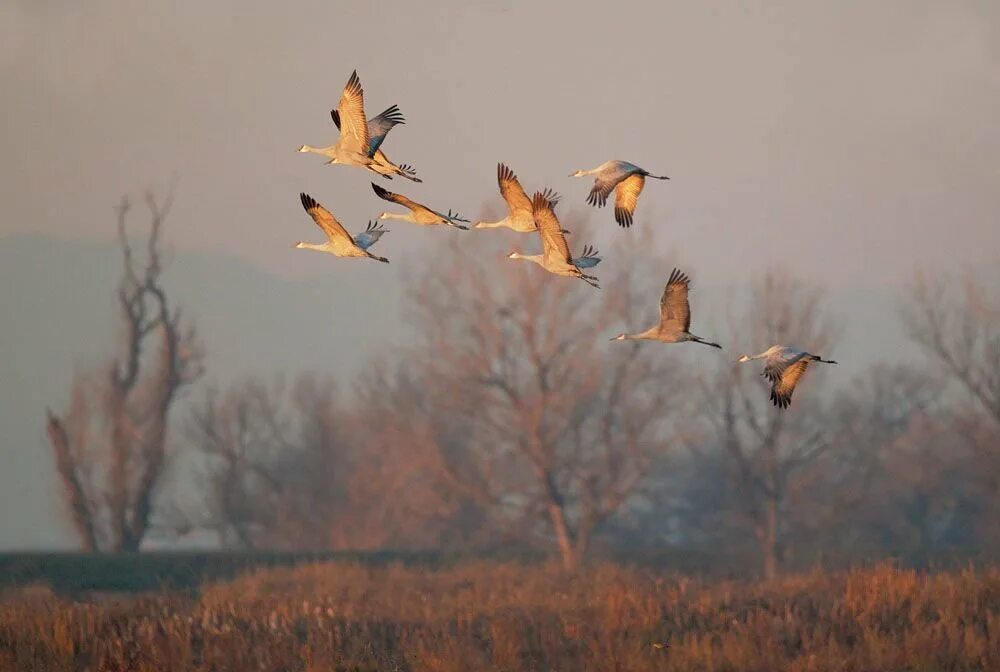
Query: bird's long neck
492	225
321	247
649	334
537	258
592	171
324	151
408	217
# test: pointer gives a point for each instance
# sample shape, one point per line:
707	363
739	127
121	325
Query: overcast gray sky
851	142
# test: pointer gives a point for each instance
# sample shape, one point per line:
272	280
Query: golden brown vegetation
489	616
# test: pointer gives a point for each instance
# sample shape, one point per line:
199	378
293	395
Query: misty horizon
851	145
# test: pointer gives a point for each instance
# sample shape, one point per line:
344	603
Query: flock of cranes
359	144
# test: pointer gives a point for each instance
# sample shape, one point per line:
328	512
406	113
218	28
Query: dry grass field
496	616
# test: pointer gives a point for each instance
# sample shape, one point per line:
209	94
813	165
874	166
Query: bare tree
292	467
404	491
278	464
768	448
957	326
875	427
535	416
110	447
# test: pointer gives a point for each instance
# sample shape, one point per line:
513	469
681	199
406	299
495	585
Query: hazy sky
851	142
837	138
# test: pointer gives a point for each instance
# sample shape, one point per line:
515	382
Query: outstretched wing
674	309
369	236
553	240
588	258
776	363
600	191
380	125
784	385
351	110
454	217
325	220
512	191
387	195
551	196
626	196
605	182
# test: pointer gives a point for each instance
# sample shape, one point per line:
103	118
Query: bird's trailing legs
699	339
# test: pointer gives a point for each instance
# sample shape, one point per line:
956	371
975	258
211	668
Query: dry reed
491	616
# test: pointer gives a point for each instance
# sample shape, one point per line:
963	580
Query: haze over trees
508	420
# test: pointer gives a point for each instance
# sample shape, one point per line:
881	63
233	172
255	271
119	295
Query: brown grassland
495	616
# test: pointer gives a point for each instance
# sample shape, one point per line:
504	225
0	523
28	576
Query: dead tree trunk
76	500
767	536
129	406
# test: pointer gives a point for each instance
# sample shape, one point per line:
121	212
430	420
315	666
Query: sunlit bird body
352	147
519	217
784	366
626	179
675	316
339	242
379	127
556	257
418	214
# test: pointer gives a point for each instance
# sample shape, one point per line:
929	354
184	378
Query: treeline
508	419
